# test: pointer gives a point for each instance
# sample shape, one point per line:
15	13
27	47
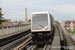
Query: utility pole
26	14
72	27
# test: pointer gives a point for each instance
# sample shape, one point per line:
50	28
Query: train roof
40	12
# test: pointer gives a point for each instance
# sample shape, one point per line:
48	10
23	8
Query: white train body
41	23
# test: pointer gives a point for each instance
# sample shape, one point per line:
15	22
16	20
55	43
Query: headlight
46	27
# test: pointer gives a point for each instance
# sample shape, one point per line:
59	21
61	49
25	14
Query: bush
70	31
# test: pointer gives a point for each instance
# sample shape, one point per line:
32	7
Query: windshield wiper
42	26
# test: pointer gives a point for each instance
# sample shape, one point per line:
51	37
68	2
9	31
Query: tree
29	20
53	18
1	18
15	21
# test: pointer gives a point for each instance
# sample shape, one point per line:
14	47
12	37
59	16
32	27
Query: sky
61	10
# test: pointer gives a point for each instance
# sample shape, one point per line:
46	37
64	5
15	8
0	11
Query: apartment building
69	24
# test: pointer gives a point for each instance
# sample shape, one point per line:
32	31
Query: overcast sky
60	9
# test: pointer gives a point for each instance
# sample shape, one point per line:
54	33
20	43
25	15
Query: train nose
40	36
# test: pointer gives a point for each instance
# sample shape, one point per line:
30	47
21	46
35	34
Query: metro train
41	26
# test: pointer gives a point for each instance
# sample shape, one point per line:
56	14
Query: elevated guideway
56	41
62	40
73	36
15	43
69	43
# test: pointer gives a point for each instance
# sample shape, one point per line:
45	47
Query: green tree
29	20
15	21
1	18
53	18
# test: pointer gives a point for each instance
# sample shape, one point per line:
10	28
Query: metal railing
8	30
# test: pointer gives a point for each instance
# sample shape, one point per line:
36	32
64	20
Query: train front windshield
39	21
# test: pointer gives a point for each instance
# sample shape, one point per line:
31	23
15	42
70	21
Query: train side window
51	20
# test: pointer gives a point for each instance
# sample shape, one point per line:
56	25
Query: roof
40	12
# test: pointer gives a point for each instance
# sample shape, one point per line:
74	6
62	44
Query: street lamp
72	27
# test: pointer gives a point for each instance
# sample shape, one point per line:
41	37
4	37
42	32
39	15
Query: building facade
69	24
7	22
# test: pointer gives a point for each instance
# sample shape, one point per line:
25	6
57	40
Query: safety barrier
8	30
